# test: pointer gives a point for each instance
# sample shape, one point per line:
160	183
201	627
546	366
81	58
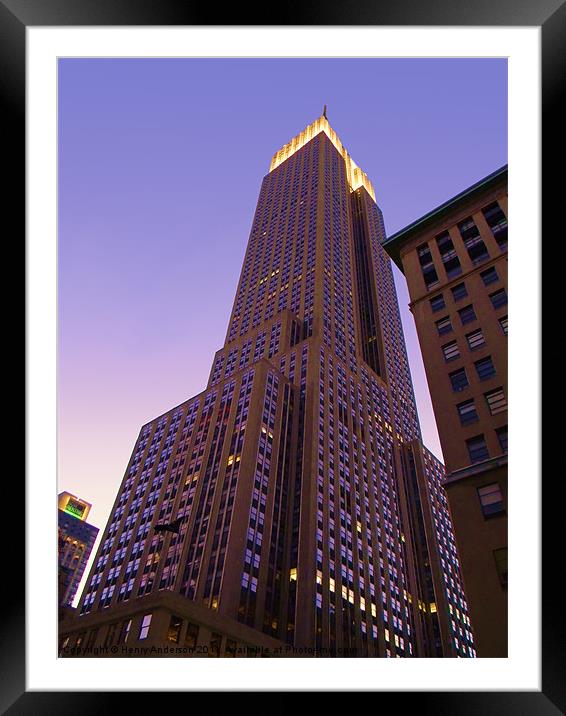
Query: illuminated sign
75	509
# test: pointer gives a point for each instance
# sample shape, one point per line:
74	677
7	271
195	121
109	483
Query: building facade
283	494
455	263
76	540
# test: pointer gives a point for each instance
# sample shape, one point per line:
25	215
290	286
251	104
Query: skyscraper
291	500
76	540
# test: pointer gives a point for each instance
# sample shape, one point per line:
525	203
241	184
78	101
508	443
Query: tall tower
287	481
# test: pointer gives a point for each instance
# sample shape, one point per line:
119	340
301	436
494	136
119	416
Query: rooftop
356	177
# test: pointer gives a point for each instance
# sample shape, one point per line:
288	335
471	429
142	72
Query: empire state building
290	508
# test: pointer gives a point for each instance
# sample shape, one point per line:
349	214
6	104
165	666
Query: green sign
74	509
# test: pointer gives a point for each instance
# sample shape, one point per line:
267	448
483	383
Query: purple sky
160	165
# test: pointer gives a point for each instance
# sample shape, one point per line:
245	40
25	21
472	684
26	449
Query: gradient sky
160	165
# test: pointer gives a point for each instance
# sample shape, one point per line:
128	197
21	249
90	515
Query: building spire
324	112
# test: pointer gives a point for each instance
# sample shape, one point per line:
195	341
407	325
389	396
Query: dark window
491	500
191	636
443	325
473	242
448	254
427	266
91	638
477	449
490	275
215	644
497	222
475	339
231	648
174	630
110	634
500	557
467	314
485	368
496	401
459	291
437	303
459	380
451	351
467	412
503	324
499	298
502	437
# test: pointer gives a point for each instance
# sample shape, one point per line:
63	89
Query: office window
497	222
124	631
496	401
485	368
467	314
110	634
449	256
491	500
444	325
91	638
500	557
477	449
231	648
473	242
502	437
467	412
475	339
503	324
191	635
144	629
490	275
459	291
459	380
427	266
215	644
437	303
451	351
174	630
499	298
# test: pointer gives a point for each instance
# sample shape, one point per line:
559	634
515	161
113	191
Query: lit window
503	324
144	630
174	630
293	574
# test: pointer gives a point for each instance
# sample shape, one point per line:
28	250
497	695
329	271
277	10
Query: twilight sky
160	165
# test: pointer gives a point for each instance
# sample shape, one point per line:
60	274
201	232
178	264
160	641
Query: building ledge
477	469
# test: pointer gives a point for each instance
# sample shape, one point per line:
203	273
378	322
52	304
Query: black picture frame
550	15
